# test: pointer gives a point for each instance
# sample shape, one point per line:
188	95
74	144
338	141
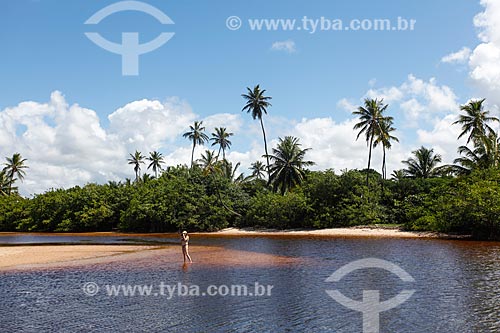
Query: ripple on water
457	289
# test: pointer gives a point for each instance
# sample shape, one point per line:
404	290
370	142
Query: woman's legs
186	248
185	253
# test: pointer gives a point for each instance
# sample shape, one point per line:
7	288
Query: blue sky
47	50
206	67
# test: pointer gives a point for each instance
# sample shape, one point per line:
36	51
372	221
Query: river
455	287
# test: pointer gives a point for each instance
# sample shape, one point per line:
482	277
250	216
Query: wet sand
32	256
29	257
48	256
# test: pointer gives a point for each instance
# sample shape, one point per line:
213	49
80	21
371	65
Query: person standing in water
185	246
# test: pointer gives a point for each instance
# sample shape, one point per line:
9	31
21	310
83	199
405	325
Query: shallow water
457	288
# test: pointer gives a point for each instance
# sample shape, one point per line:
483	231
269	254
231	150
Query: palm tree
258	169
5	183
196	134
371	119
230	172
470	159
475	120
146	178
211	167
257	104
424	164
156	160
399	175
384	137
136	160
221	138
287	169
486	154
208	162
15	167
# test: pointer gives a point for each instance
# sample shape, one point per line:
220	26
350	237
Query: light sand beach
332	232
32	256
28	257
41	256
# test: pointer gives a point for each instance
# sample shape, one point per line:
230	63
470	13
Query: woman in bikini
185	246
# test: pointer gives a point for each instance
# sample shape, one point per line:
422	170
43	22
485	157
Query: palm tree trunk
218	154
192	154
369	160
10	184
384	172
265	148
220	197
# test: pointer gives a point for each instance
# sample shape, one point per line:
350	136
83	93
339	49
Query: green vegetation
376	127
287	170
256	105
211	194
197	135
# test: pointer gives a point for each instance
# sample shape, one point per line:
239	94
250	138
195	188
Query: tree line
282	192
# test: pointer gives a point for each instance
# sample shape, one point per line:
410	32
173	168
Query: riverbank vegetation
281	192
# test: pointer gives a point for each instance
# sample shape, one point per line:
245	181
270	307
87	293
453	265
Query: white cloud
390	94
488	21
484	60
66	145
232	122
419	100
334	146
246	158
443	138
426	105
458	57
147	124
286	46
485	70
346	105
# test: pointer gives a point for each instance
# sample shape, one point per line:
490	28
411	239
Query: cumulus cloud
484	60
425	105
66	145
418	100
388	94
334	146
347	105
232	122
458	57
287	46
443	138
148	124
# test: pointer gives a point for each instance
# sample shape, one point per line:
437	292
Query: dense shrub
272	210
190	199
12	212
